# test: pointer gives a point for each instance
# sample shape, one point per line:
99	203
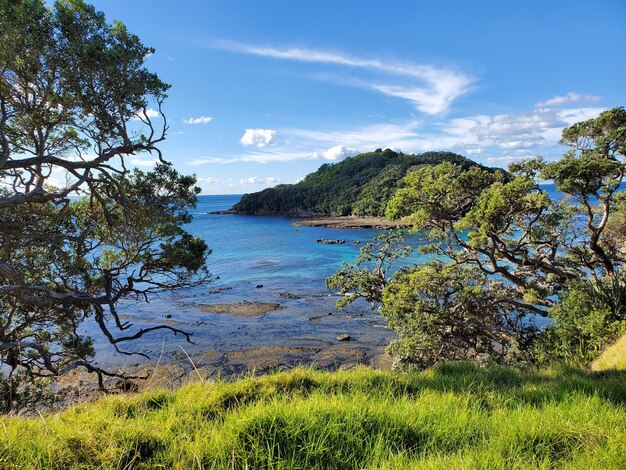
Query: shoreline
211	365
350	222
304	332
328	221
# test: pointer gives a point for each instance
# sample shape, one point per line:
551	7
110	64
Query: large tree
79	231
506	253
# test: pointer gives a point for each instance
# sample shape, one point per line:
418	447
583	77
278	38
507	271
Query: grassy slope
452	416
613	358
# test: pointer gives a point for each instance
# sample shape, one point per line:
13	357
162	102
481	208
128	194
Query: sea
259	259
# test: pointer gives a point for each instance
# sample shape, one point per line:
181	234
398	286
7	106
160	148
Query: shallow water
251	251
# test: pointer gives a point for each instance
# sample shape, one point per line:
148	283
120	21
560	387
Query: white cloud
507	158
516	144
572	116
435	98
263	181
146	163
492	138
211	180
338	152
205	161
569	98
198	120
148	113
431	89
258	137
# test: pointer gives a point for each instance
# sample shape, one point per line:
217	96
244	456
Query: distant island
351	193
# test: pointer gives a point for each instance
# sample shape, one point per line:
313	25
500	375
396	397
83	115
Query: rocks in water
325	241
220	290
343	337
356	242
288	295
315	319
245	309
168	315
258	286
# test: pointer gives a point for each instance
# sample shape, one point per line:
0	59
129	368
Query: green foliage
508	253
359	185
74	95
22	390
367	277
583	324
613	358
455	415
444	312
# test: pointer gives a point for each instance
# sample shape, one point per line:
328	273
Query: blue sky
265	92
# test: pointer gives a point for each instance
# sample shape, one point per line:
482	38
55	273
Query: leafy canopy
506	254
76	100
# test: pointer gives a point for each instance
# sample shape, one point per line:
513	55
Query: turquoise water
269	250
251	251
260	259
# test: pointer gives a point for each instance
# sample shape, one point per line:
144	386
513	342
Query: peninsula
349	194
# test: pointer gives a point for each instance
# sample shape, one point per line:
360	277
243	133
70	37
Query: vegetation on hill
359	185
452	416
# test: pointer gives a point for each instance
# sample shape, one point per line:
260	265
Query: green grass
452	416
613	358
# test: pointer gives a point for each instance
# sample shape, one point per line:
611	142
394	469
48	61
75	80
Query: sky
263	93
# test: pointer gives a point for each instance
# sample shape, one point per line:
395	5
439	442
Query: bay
260	259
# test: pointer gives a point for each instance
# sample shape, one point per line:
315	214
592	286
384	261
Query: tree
507	254
79	231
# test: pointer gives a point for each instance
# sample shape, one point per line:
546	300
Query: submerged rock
245	309
288	295
325	241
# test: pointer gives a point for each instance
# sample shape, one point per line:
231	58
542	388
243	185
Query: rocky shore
348	222
328	221
305	333
244	309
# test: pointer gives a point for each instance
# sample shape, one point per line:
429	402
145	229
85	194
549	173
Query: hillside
359	185
613	357
452	416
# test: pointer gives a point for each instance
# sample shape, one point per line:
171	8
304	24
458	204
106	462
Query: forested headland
360	185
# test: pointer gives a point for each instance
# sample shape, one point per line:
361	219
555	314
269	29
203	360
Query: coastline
216	365
350	222
327	221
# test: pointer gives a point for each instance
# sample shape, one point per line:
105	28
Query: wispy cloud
149	113
263	181
569	98
211	180
495	139
430	88
145	163
198	120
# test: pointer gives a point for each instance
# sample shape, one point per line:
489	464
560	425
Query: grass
452	416
613	358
